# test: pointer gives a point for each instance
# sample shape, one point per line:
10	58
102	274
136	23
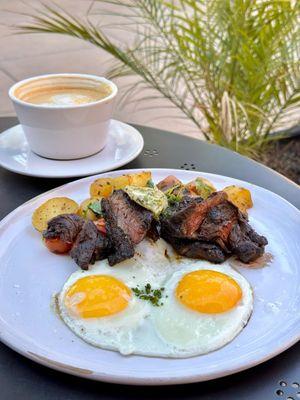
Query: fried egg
203	307
98	305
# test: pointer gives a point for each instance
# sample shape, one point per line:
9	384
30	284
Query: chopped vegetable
58	246
169	182
50	209
150	198
85	210
174	194
103	187
149	294
96	208
150	183
202	187
239	196
100	225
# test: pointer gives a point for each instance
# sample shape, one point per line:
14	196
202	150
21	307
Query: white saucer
124	144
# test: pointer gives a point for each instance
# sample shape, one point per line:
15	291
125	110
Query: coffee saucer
124	144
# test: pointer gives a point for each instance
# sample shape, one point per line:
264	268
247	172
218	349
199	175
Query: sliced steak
120	244
84	246
65	226
211	229
200	250
134	220
185	219
245	242
103	248
153	232
218	224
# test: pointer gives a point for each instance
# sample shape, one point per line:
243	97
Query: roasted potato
51	208
84	210
103	187
140	179
201	186
239	196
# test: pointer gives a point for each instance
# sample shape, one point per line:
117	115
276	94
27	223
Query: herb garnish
149	294
173	194
96	208
150	184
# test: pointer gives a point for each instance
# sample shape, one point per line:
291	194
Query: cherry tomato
100	224
56	245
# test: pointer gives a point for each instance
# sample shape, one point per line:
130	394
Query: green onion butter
152	199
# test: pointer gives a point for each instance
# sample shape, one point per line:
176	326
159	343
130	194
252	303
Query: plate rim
139	148
5	337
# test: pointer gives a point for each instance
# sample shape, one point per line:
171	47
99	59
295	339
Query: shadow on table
24	376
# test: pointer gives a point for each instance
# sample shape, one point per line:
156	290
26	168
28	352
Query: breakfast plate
124	144
30	275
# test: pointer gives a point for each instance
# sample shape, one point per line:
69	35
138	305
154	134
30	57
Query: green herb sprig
149	294
96	208
174	194
150	184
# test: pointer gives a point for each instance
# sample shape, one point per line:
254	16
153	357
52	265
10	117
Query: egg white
187	332
152	263
113	332
171	330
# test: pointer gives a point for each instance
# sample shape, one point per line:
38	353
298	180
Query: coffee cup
65	116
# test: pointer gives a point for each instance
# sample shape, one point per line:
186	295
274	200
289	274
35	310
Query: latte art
63	92
67	96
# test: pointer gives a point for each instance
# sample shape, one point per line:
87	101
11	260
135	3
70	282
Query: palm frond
231	66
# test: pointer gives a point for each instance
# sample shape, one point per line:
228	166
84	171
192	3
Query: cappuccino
63	92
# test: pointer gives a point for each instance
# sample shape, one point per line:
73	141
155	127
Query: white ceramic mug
66	132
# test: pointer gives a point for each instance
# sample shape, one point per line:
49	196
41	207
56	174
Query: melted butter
150	198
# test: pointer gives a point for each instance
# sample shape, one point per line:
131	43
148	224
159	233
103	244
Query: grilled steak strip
221	230
199	250
153	232
103	248
186	219
84	246
65	226
218	224
245	242
134	220
121	245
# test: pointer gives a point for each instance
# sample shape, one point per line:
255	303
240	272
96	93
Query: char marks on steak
88	243
245	242
185	218
218	224
83	249
65	226
121	245
197	249
211	229
134	220
153	232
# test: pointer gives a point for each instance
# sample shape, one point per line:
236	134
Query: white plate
29	275
124	144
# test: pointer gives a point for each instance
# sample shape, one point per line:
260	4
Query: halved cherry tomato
56	245
100	224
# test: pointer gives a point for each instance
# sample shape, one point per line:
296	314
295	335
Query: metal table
278	378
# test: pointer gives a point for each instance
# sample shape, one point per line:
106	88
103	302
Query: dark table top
278	378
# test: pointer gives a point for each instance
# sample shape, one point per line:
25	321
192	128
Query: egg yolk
97	296
208	291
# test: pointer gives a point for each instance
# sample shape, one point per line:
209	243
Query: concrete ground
23	56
